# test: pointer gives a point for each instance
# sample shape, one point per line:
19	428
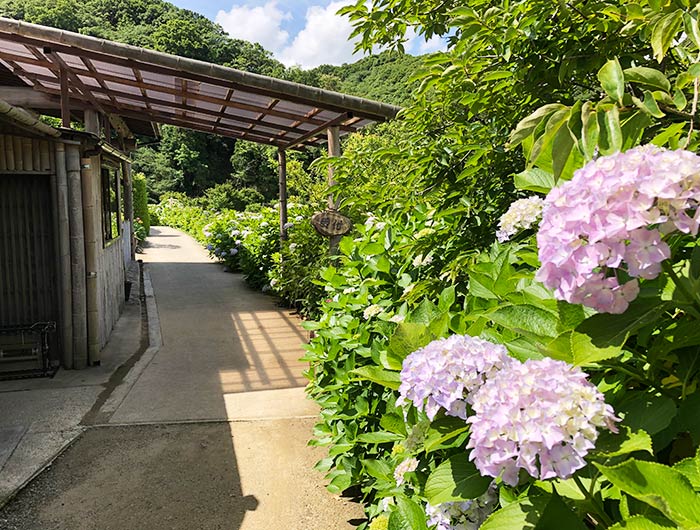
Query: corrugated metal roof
142	85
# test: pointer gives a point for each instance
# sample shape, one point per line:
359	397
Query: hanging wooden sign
330	223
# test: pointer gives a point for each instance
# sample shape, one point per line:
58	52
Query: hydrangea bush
249	242
583	312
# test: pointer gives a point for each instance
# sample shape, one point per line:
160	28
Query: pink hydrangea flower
542	416
447	371
611	217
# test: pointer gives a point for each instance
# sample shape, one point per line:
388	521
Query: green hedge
140	192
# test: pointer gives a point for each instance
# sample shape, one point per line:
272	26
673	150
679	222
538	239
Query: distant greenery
384	77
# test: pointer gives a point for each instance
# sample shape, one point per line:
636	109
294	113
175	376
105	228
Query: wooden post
92	122
89	174
64	244
9	153
129	207
27	155
17	150
3	156
77	251
282	172
333	201
65	99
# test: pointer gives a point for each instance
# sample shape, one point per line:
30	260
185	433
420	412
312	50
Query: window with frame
111	222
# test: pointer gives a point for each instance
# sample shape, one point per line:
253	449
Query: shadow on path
175	477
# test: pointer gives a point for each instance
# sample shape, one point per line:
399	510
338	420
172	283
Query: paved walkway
208	430
220	338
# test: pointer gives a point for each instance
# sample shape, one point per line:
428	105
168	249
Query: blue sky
305	33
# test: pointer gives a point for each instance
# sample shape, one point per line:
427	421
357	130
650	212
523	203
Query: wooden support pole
64	243
282	172
92	122
3	156
129	207
9	153
89	176
333	201
77	251
65	99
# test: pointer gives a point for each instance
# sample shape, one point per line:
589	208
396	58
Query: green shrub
140	199
153	215
227	197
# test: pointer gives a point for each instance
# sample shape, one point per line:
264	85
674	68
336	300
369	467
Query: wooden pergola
61	73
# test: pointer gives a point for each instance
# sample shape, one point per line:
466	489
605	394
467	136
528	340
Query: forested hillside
189	161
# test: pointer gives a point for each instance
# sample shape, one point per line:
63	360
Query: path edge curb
155	343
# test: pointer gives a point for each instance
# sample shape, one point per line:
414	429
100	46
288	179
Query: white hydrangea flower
386	502
407	466
371	311
465	515
521	215
420	260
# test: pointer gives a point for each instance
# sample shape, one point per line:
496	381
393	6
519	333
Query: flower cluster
541	416
446	372
521	215
407	466
372	311
420	260
465	515
380	522
608	223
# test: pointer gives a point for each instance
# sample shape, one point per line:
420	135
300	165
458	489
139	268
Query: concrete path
41	417
208	430
220	338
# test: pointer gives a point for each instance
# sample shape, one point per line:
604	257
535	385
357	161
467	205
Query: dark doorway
27	273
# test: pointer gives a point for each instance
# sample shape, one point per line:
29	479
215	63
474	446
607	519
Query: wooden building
65	241
65	194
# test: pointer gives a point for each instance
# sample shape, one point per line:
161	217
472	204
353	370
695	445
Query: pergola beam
335	122
137	112
173	91
165	64
59	63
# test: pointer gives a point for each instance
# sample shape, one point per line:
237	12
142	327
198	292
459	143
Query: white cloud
322	37
323	40
433	44
262	24
417	45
